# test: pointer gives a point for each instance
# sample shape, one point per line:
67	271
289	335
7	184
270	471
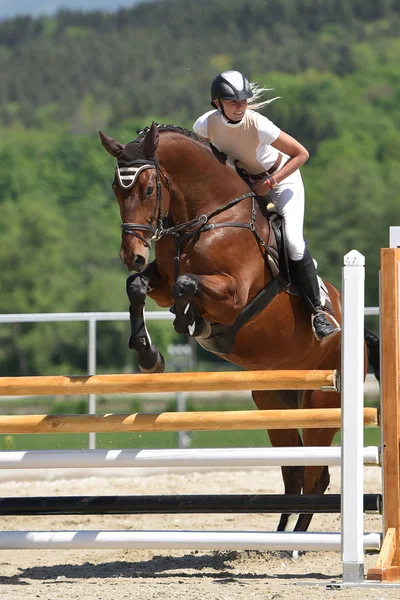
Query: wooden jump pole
388	565
169	382
311	418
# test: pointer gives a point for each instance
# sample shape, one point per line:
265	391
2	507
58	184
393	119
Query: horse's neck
199	182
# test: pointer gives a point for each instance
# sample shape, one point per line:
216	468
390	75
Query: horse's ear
150	142
112	146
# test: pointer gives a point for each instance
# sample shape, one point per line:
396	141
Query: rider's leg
289	201
307	280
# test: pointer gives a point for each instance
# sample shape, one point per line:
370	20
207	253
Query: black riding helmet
230	85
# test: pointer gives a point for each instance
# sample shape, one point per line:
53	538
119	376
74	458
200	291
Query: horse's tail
372	342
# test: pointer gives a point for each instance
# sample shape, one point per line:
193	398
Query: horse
216	268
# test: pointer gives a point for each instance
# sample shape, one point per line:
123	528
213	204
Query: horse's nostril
139	260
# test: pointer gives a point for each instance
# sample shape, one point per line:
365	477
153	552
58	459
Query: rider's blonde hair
258	91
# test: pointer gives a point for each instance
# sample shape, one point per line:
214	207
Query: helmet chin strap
221	110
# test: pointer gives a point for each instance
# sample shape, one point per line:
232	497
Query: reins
199	224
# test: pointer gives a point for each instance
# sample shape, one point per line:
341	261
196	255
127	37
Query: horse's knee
136	288
184	288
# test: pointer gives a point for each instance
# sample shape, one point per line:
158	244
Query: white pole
183	437
188	458
92	401
352	416
187	540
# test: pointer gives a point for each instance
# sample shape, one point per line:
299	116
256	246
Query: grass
199	439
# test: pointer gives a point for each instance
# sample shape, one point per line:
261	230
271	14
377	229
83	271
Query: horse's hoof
181	326
159	366
200	328
292	554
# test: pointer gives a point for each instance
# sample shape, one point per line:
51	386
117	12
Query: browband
127	176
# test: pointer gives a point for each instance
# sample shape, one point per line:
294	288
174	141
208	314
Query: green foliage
333	64
71	406
198	439
159	57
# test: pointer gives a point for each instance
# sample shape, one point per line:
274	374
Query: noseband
127	177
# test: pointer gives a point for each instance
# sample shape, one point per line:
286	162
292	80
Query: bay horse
215	267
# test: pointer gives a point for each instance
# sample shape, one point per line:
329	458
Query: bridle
127	177
183	231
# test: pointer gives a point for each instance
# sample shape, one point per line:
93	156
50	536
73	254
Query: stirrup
331	320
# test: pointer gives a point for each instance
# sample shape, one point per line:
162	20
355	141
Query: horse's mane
174	129
221	157
133	150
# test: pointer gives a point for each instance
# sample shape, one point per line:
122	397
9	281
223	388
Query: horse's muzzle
134	262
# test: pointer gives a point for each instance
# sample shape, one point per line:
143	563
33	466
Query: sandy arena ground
185	575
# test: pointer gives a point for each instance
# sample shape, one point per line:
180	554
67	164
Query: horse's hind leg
316	478
293	477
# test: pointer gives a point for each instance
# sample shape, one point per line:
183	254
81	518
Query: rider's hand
261	187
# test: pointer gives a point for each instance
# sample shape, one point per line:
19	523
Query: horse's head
138	186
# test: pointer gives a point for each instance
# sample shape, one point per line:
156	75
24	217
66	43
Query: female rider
271	158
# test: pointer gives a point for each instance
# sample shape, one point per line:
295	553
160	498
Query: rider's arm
298	155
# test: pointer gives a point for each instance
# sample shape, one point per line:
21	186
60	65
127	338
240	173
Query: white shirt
248	142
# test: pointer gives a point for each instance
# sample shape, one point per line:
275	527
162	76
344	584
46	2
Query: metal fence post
182	360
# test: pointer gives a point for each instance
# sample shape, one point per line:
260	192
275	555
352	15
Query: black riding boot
307	281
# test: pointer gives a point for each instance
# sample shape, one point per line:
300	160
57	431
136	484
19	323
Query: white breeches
289	199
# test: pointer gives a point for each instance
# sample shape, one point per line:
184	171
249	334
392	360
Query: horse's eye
149	190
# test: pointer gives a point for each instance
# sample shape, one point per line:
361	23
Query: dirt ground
187	575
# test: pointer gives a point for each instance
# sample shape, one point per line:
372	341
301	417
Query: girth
222	337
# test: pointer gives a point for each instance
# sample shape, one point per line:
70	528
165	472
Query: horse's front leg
138	286
201	299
